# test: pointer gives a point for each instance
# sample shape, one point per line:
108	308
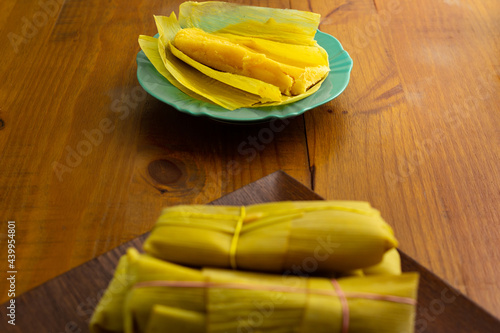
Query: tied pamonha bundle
312	266
275	237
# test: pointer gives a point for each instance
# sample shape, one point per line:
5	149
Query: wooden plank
87	157
416	131
66	303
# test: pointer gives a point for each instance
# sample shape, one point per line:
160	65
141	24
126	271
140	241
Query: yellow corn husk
297	237
271	45
132	268
176	320
234	301
188	78
149	45
266	91
390	264
108	315
282	25
168	28
221	53
356	272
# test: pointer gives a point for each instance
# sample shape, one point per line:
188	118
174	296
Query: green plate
338	78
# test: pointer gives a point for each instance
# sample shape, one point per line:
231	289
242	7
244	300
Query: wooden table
67	302
88	159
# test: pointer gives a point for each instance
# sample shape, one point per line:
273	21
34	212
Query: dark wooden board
65	303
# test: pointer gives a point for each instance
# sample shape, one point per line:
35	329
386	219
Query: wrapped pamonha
357	286
338	236
148	295
239	56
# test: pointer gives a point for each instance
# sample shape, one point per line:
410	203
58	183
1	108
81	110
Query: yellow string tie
236	236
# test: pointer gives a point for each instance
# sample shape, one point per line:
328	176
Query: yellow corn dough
222	54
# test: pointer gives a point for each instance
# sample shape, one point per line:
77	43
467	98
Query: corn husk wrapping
238	301
390	264
108	315
295	237
295	26
283	35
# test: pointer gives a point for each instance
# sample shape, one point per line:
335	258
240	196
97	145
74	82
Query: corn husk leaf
143	268
168	28
315	236
132	268
232	301
188	79
233	91
108	315
267	91
281	25
176	320
390	264
149	45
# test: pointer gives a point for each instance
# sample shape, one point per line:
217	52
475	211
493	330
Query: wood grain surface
88	159
67	302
